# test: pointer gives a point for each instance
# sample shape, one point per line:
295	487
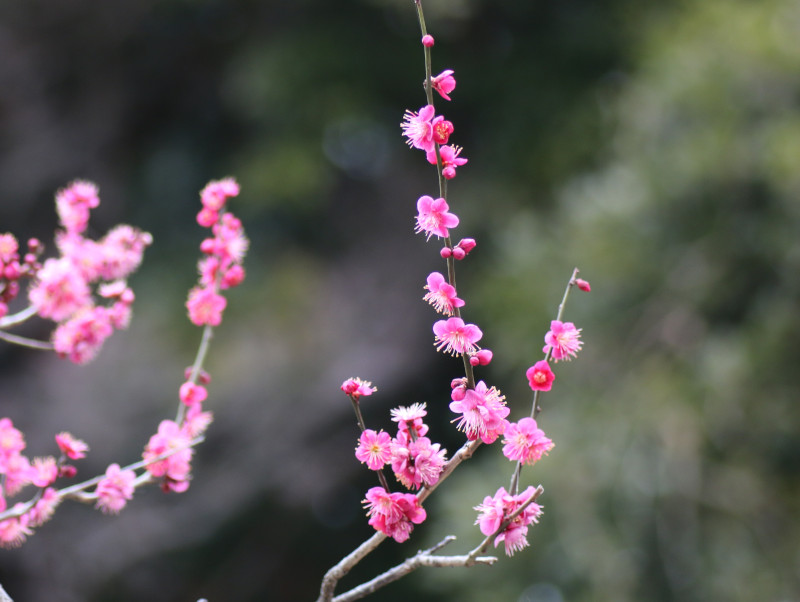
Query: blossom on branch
441	295
563	339
495	510
525	442
540	376
115	489
394	514
374	449
455	337
483	411
434	218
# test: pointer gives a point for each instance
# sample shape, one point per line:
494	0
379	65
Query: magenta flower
441	295
192	394
444	83
416	462
494	510
394	514
217	192
60	290
540	376
175	468
115	489
205	306
410	419
73	448
81	337
525	442
450	159
355	388
455	337
434	218
417	127
14	531
74	203
483	412
374	449
563	339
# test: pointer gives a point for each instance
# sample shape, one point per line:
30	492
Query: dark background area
654	145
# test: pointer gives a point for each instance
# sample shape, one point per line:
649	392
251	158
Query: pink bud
192	394
467	244
207	217
12	271
446	252
458	253
67	471
3	309
473	360
583	285
484	356
233	277
449	172
427	41
34	246
208	246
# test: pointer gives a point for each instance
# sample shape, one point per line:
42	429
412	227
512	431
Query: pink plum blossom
441	295
525	442
374	449
393	514
170	439
563	339
192	394
14	531
73	448
217	192
540	376
416	462
59	291
450	159
74	203
495	510
81	337
455	337
409	419
444	83
355	388
483	411
115	489
44	471
434	218
205	306
417	127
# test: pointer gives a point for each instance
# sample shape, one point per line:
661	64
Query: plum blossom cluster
66	289
498	510
61	291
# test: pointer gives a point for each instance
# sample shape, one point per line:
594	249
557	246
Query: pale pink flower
441	295
14	531
394	514
44	508
115	489
59	291
12	441
196	421
410	418
217	192
17	473
374	449
73	204
81	337
175	468
540	376
563	339
192	394
73	448
494	510
122	250
483	411
44	471
416	462
444	83
455	337
205	306
417	127
9	248
525	442
434	218
355	388
230	244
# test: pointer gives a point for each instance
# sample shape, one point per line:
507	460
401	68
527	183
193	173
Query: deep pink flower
9	248
433	217
205	306
355	388
12	441
73	448
417	127
115	489
410	419
394	514
73	204
121	252
441	295
416	462
60	290
374	449
192	394
441	130
14	531
494	510
525	442
170	439
196	421
450	159
455	337
217	192
444	83
540	376
563	339
483	412
427	41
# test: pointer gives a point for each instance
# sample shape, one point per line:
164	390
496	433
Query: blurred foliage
654	145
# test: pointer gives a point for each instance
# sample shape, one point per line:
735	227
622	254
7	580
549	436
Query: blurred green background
656	146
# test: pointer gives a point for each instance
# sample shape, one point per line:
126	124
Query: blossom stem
197	367
17	318
25	341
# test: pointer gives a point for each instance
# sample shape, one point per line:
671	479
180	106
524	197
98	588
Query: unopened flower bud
459	253
467	244
484	356
427	41
449	172
474	361
67	471
583	285
34	245
446	252
207	217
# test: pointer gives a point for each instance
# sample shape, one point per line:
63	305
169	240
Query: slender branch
345	565
4	597
197	366
25	341
421	559
17	318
